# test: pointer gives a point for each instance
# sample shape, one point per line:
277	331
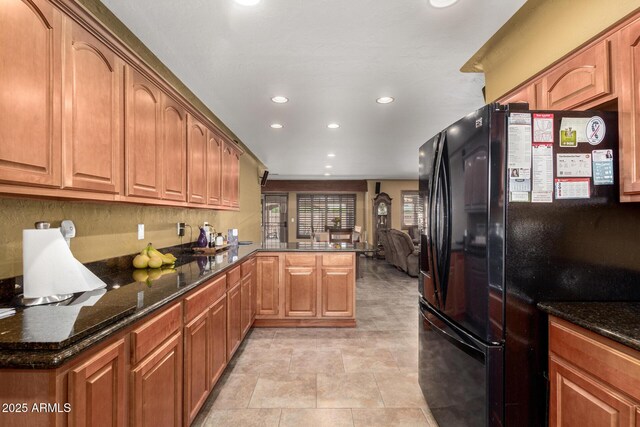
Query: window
412	209
319	210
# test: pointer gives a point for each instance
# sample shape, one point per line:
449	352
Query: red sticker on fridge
573	188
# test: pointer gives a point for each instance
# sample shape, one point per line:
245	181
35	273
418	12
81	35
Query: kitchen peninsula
175	334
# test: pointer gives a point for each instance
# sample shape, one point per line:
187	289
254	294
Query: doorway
274	218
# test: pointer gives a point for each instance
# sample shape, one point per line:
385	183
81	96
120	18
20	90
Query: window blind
319	210
412	209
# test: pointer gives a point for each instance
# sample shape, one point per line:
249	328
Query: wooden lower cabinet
218	339
337	292
245	297
593	380
197	356
156	386
300	291
97	389
234	322
268	280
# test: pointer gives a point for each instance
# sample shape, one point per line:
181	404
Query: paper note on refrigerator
542	191
519	147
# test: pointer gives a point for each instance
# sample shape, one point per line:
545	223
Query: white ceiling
332	59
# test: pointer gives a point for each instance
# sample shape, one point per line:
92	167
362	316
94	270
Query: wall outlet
140	231
180	228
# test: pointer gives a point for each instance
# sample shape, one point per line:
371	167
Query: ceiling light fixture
280	99
248	2
333	126
276	126
327	174
331	155
384	100
442	3
328	166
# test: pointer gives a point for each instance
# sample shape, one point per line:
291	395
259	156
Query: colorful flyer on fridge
542	127
602	167
519	147
542	191
573	188
573	165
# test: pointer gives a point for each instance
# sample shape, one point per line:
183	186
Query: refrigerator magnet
519	196
573	165
596	130
602	167
573	188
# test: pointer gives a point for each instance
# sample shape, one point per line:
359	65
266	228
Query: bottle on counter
219	240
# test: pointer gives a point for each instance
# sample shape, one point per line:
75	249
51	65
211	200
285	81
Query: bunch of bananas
150	257
151	264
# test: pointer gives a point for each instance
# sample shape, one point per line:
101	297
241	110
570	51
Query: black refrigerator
520	207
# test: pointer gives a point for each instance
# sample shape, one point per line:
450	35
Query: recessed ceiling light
276	126
384	100
327	174
248	2
441	3
333	126
328	166
280	99
331	155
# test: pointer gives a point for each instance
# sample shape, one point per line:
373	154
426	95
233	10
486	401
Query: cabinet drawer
150	335
610	361
247	266
300	260
233	277
201	299
337	260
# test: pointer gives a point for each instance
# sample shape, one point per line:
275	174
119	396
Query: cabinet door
143	157
92	143
235	180
174	149
214	169
581	79
528	94
218	339
97	389
268	280
196	364
629	115
30	81
300	291
577	399
337	292
156	386
227	173
246	298
197	146
254	289
234	325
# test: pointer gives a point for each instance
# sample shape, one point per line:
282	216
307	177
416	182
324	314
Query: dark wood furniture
340	235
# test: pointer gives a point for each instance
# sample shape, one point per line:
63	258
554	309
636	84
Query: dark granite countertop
619	321
47	336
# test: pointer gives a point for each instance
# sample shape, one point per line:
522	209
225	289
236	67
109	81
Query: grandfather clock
381	215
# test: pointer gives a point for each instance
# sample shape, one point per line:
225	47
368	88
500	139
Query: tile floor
363	376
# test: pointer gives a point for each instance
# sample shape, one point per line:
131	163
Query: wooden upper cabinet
230	175
97	389
629	116
30	84
92	144
579	80
214	169
174	149
197	155
529	94
143	156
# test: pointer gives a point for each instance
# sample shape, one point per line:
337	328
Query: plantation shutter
412	210
319	211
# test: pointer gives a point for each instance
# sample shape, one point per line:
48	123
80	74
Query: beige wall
394	189
105	230
292	212
540	33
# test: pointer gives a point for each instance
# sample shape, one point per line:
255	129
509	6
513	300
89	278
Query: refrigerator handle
446	198
434	225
